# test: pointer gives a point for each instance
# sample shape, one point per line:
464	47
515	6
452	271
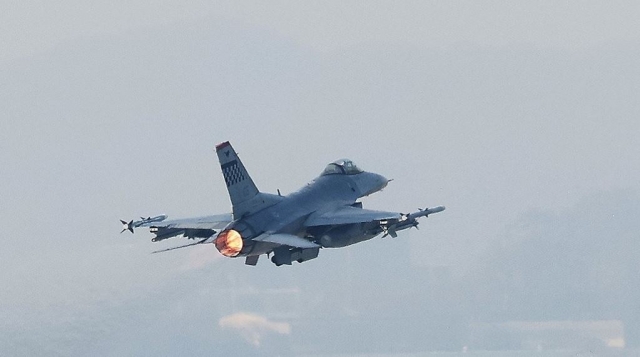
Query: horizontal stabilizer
181	246
286	239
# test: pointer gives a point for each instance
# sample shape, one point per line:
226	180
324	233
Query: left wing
199	227
207	222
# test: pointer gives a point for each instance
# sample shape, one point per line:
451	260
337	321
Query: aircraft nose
378	182
383	182
369	183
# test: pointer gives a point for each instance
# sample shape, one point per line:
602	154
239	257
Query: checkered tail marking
233	173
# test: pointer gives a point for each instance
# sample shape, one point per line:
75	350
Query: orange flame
229	243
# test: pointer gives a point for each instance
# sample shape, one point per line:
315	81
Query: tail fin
245	197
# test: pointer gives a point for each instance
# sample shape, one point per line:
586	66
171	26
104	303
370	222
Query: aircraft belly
345	235
340	242
257	248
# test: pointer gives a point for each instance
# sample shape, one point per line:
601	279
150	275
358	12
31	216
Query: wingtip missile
435	209
409	220
126	226
129	226
425	212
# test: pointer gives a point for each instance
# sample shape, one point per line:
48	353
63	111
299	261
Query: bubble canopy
341	167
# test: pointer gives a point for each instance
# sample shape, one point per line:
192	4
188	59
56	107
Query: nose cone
382	182
373	183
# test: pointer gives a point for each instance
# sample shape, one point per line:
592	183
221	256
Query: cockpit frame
341	167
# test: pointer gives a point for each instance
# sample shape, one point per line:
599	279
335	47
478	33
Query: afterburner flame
229	243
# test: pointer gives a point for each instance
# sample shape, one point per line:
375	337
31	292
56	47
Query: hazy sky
30	27
494	109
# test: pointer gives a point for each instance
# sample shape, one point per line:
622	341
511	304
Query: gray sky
495	109
36	26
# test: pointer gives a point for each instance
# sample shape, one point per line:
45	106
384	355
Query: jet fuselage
324	193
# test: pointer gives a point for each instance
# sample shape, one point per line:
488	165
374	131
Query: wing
390	222
214	222
348	215
199	227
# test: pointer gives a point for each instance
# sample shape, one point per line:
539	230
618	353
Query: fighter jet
326	213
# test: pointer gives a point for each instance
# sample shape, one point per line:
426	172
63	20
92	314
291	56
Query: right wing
349	215
390	222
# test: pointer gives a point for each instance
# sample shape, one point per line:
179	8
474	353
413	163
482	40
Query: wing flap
349	215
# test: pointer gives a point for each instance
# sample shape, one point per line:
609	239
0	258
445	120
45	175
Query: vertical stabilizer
244	195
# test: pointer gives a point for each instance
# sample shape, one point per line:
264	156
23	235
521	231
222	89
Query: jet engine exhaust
229	243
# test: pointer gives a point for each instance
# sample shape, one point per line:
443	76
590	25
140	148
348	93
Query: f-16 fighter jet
325	213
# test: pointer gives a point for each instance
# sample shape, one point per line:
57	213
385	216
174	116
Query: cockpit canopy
341	167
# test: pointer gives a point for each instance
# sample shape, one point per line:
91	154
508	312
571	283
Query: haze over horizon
521	118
